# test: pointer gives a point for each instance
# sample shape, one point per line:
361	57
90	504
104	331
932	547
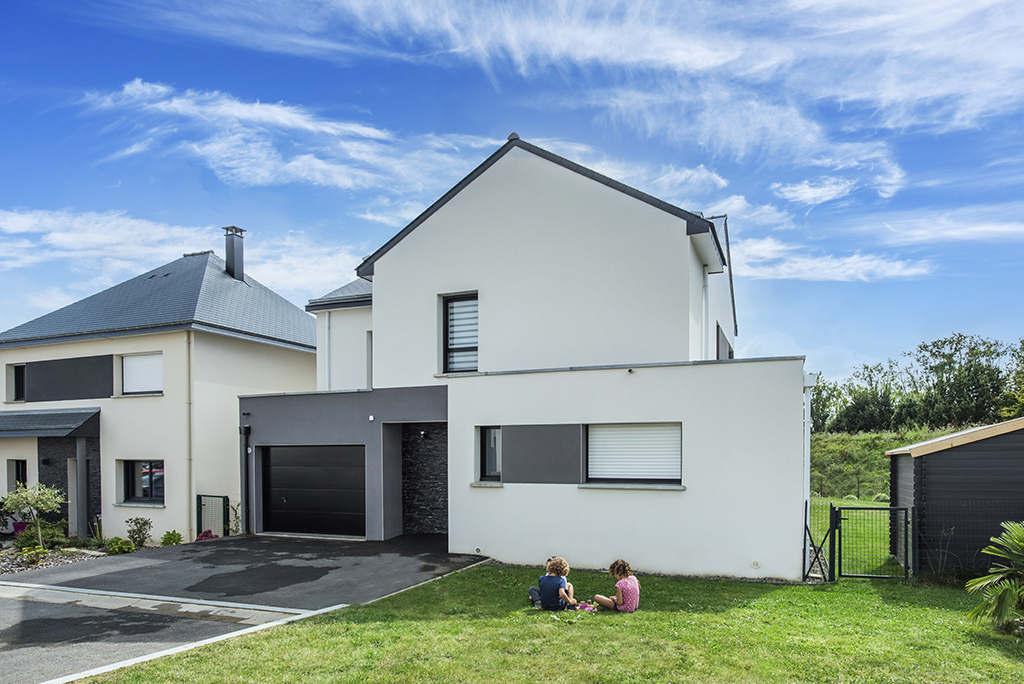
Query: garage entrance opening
315	490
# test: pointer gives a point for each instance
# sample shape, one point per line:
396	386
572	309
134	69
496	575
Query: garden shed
960	488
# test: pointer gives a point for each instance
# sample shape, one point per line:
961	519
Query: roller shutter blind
142	373
635	451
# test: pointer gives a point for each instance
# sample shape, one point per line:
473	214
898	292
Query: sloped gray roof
193	292
77	422
357	293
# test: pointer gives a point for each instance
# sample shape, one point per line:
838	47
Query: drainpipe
189	421
706	323
810	380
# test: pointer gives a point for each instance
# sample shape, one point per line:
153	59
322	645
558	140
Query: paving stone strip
242	614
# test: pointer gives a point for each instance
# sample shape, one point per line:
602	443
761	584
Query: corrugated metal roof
193	291
79	422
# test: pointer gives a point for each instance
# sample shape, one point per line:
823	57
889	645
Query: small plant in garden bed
171	538
33	554
206	534
51	534
138	531
116	546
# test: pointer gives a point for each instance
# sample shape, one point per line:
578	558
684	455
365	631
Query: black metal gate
863	541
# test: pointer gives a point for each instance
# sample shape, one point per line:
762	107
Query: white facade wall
224	368
343	348
131	427
194	432
742	466
568	272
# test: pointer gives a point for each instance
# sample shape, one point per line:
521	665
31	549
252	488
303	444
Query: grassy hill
845	464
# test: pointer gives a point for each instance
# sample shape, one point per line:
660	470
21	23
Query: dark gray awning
78	422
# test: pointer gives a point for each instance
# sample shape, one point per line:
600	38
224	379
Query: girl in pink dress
627	589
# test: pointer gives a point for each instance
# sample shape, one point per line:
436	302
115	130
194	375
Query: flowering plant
206	534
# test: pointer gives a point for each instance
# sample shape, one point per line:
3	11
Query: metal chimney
233	252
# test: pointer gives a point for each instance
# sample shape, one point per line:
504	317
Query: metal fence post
831	543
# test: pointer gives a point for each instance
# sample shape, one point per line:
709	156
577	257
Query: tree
1013	396
962	378
824	402
869	403
31	501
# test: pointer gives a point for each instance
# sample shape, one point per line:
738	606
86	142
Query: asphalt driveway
69	619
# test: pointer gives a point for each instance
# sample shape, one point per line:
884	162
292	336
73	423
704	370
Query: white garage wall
742	469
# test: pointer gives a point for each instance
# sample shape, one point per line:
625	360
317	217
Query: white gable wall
569	272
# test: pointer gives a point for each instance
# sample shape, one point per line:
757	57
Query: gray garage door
315	489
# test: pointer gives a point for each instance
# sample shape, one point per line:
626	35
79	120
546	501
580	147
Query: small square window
490	454
142	374
144	481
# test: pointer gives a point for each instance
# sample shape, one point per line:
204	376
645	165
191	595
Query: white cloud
98	250
770	259
805	192
975	223
737	207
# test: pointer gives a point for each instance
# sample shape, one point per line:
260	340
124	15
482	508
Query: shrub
29	502
170	538
33	554
52	535
116	546
850	497
206	534
880	496
138	531
1002	590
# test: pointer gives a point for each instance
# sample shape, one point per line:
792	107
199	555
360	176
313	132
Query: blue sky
870	155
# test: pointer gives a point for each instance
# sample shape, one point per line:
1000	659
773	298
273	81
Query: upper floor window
19	383
460	334
142	374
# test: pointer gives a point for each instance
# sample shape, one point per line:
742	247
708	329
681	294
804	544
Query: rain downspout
189	406
706	323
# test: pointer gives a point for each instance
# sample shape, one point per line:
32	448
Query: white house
542	365
130	395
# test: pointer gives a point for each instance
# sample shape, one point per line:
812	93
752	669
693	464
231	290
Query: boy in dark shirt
555	592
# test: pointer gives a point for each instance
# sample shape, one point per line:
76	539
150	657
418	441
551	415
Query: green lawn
476	626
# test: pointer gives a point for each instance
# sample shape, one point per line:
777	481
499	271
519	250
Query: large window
635	452
490	454
460	334
142	374
144	481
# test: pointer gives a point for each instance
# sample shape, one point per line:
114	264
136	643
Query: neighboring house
960	488
543	365
130	395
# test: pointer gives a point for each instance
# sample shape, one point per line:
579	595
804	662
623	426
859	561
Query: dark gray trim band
348	303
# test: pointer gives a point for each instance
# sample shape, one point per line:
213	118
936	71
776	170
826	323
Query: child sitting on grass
553	591
627	589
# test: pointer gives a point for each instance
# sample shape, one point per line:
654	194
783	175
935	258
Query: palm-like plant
1002	590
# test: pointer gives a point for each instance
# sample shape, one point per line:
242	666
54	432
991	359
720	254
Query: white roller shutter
635	451
142	373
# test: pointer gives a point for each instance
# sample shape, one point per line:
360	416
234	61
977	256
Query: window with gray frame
490	454
460	334
143	481
19	383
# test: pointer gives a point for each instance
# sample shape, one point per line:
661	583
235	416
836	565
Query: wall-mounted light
371	419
